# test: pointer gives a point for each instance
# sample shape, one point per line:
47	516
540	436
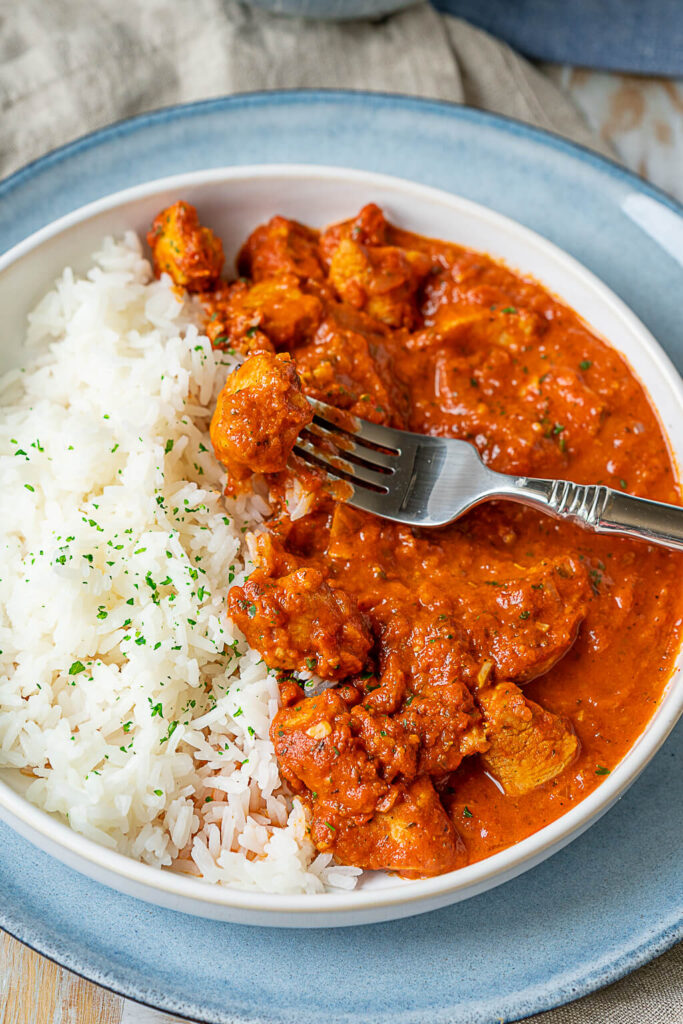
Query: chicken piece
528	622
473	328
388	741
351	370
448	725
414	836
370	227
298	622
317	750
258	415
527	744
281	247
274	308
382	280
432	651
181	247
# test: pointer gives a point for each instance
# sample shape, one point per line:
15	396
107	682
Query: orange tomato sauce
431	337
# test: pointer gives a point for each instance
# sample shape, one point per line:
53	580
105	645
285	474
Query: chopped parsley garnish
171	729
76	668
601	770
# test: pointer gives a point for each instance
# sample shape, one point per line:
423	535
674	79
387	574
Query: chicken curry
483	678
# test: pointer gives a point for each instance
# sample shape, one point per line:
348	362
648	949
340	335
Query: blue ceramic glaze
594	911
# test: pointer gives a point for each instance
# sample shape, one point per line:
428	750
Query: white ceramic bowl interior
233	201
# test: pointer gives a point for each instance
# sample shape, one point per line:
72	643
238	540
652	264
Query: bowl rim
473	878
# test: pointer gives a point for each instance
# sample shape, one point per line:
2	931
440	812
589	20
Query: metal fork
430	481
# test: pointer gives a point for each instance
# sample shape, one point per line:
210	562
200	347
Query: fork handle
602	509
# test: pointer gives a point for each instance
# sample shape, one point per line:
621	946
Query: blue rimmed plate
469	958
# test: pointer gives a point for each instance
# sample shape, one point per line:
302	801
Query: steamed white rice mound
127	697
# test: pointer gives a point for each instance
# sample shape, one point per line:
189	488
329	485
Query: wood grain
33	990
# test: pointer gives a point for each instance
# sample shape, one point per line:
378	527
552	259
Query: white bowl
233	201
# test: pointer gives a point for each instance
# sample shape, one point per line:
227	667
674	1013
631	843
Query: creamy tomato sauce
489	674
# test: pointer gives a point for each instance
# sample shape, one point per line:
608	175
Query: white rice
127	696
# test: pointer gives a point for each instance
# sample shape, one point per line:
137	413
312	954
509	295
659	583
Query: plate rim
332	909
446	108
649	949
652	944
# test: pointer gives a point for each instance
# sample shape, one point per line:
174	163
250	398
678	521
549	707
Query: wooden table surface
34	990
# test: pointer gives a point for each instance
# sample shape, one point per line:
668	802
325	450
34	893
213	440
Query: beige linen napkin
68	67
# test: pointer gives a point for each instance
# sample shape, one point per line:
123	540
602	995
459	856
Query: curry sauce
485	676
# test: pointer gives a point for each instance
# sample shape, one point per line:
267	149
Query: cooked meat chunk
181	247
389	741
382	280
274	307
350	759
526	624
430	650
300	622
448	725
259	414
352	370
370	227
316	746
527	745
281	247
414	836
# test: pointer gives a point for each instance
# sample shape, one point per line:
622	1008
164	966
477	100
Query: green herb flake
171	729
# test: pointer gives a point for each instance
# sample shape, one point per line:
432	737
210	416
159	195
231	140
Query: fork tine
361	430
348	448
337	465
